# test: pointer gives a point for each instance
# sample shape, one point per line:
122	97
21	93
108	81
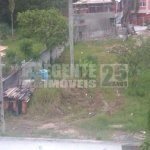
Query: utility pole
1	100
71	37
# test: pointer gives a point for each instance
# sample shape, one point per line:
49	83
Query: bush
89	60
4	31
146	144
45	102
10	57
6	70
26	47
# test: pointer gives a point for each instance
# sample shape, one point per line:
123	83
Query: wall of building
14	79
140	18
94	21
143	7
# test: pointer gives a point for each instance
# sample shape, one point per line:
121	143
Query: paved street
45	144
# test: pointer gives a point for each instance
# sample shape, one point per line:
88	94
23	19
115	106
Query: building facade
93	14
105	7
143	16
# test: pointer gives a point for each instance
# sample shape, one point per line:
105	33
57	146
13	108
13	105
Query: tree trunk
1	101
12	25
126	18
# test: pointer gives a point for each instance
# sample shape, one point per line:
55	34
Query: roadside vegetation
98	113
92	113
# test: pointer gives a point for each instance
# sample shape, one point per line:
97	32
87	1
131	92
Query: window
142	4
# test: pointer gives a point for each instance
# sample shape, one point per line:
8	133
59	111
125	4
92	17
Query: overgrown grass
58	102
133	115
45	102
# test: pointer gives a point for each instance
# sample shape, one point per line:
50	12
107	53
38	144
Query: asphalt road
46	144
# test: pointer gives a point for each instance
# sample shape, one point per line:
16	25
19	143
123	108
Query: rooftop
92	1
2	48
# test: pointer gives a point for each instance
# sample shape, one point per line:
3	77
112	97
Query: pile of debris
117	49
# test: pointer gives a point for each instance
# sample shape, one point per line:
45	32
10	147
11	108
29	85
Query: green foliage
4	31
24	5
146	144
4	11
26	47
85	64
92	59
138	59
11	6
148	120
47	26
10	57
6	70
45	102
36	56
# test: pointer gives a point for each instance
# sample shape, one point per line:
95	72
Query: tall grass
45	102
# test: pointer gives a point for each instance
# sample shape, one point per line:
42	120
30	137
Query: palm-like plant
12	8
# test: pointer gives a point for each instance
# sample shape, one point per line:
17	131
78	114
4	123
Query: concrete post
71	36
1	100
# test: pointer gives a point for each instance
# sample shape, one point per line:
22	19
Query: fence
140	21
13	79
113	32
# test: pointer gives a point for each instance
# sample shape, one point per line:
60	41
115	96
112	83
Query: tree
46	26
26	47
128	7
4	11
12	8
24	5
9	55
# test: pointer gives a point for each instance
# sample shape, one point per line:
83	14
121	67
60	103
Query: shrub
26	47
6	70
45	102
146	144
85	70
4	31
10	57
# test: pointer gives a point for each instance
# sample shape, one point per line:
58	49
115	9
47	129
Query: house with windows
93	14
108	9
143	15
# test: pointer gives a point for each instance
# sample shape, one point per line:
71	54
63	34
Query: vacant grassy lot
99	113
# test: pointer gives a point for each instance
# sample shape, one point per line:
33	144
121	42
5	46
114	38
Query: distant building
105	7
90	15
93	6
144	13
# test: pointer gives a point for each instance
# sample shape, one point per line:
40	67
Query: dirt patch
48	126
62	128
81	99
68	132
128	137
